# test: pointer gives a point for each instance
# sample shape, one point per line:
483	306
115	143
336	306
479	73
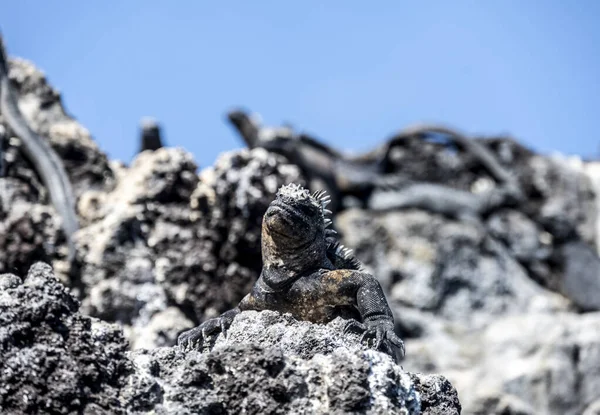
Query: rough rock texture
468	303
119	275
438	396
162	248
165	238
454	271
29	227
28	232
42	106
54	360
553	369
270	363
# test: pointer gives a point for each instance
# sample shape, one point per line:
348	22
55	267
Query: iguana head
295	238
296	218
279	139
293	234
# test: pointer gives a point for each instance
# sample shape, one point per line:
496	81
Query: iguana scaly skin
39	152
437	198
453	203
307	273
367	178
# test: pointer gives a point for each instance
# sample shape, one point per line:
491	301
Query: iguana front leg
364	291
197	335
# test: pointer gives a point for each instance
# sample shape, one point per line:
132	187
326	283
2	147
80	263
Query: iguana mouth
290	223
280	213
287	213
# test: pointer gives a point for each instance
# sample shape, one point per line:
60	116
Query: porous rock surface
55	360
481	302
274	364
166	239
490	304
161	247
29	229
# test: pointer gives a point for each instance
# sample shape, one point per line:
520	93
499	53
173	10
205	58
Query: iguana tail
245	126
45	160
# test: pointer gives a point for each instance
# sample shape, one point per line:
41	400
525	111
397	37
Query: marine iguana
479	151
43	157
308	273
367	177
150	137
316	161
452	203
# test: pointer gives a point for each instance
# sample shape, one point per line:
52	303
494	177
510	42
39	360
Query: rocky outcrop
270	363
554	369
499	305
161	247
42	106
30	229
55	360
456	272
530	364
166	239
469	308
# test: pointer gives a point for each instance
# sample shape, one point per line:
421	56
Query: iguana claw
382	331
195	337
353	325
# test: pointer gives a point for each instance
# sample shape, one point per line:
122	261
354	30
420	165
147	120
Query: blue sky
347	71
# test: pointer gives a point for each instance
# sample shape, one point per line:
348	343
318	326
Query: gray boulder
55	360
166	238
469	307
271	363
535	363
30	229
